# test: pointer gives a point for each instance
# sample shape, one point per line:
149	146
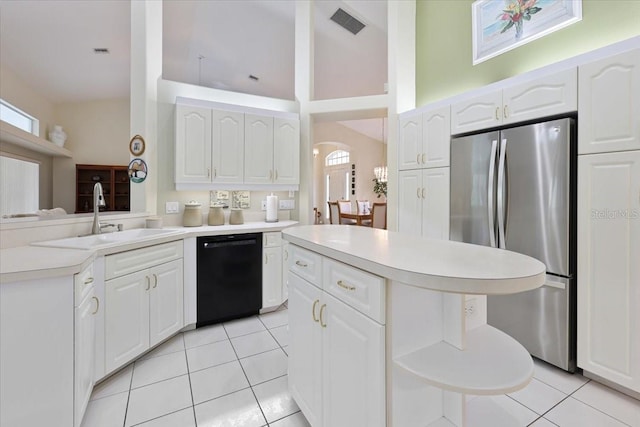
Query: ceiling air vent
100	50
347	21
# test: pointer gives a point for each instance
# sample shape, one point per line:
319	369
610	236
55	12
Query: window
18	118
338	157
19	185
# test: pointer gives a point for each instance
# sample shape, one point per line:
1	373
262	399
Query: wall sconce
315	152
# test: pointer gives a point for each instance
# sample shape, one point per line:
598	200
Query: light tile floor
235	374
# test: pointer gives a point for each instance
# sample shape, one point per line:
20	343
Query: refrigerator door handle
501	195
491	192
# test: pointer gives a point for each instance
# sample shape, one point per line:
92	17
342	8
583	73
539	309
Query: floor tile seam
248	333
251	333
147	357
539	418
193	403
158	382
274	337
221	396
266	381
209	343
260	352
161	416
601	411
215	366
562	391
126	409
286	416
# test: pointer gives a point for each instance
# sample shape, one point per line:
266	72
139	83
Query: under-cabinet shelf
492	363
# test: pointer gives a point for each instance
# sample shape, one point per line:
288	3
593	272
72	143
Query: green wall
444	54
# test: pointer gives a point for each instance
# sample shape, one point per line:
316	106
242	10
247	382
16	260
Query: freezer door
537	192
473	180
542	320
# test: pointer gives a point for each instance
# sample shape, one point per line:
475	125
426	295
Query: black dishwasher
229	275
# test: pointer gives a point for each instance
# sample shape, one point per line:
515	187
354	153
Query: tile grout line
593	407
193	403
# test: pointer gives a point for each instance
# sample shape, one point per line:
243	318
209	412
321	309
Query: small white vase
58	136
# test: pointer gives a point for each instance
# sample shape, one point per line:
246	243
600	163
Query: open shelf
492	363
16	136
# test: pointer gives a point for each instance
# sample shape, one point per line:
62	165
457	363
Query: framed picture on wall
501	25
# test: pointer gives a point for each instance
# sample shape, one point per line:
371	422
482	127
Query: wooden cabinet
423	202
144	301
608	267
220	149
336	353
272	150
115	187
272	283
424	140
609	110
546	96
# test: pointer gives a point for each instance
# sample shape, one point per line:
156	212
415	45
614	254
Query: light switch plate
287	204
172	207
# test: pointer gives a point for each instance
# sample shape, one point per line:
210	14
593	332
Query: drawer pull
97	305
497	113
313	310
301	264
324	325
345	286
88	280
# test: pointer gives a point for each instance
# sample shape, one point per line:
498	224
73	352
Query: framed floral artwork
501	25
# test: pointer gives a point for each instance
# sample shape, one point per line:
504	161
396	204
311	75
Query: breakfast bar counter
411	345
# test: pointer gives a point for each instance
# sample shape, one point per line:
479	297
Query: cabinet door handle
286	255
418	158
148	283
155	280
276	177
418	192
497	113
424	193
301	264
424	158
346	286
270	175
506	111
208	172
313	310
88	280
324	325
215	173
266	259
97	305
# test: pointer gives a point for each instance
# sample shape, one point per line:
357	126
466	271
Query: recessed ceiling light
100	50
252	77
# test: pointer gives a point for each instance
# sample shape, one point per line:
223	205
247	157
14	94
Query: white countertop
33	262
431	264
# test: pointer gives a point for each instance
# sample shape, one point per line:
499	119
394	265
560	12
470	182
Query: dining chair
379	215
344	206
363	206
334	213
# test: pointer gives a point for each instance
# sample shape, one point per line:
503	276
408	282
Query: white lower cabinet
86	307
336	358
145	307
271	270
609	267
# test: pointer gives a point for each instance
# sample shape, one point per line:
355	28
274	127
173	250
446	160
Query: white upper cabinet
609	113
286	151
608	267
227	146
234	150
258	155
424	140
193	144
547	96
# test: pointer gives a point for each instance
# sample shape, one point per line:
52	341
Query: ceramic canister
192	216
236	217
216	215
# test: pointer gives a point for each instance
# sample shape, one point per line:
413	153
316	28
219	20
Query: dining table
358	217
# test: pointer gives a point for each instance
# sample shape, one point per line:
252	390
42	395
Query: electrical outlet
264	205
470	307
172	207
287	204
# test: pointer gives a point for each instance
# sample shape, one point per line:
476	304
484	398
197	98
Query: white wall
366	153
97	134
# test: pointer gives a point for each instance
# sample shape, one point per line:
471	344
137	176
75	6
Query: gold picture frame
136	145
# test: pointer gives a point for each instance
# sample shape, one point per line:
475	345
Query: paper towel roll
272	208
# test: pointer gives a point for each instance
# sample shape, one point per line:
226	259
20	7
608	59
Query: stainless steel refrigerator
515	189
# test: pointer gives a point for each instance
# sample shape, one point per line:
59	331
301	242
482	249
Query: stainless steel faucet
98	201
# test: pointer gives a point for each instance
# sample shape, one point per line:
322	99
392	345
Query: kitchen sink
96	241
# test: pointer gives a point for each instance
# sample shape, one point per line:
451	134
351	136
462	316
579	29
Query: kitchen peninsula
380	327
